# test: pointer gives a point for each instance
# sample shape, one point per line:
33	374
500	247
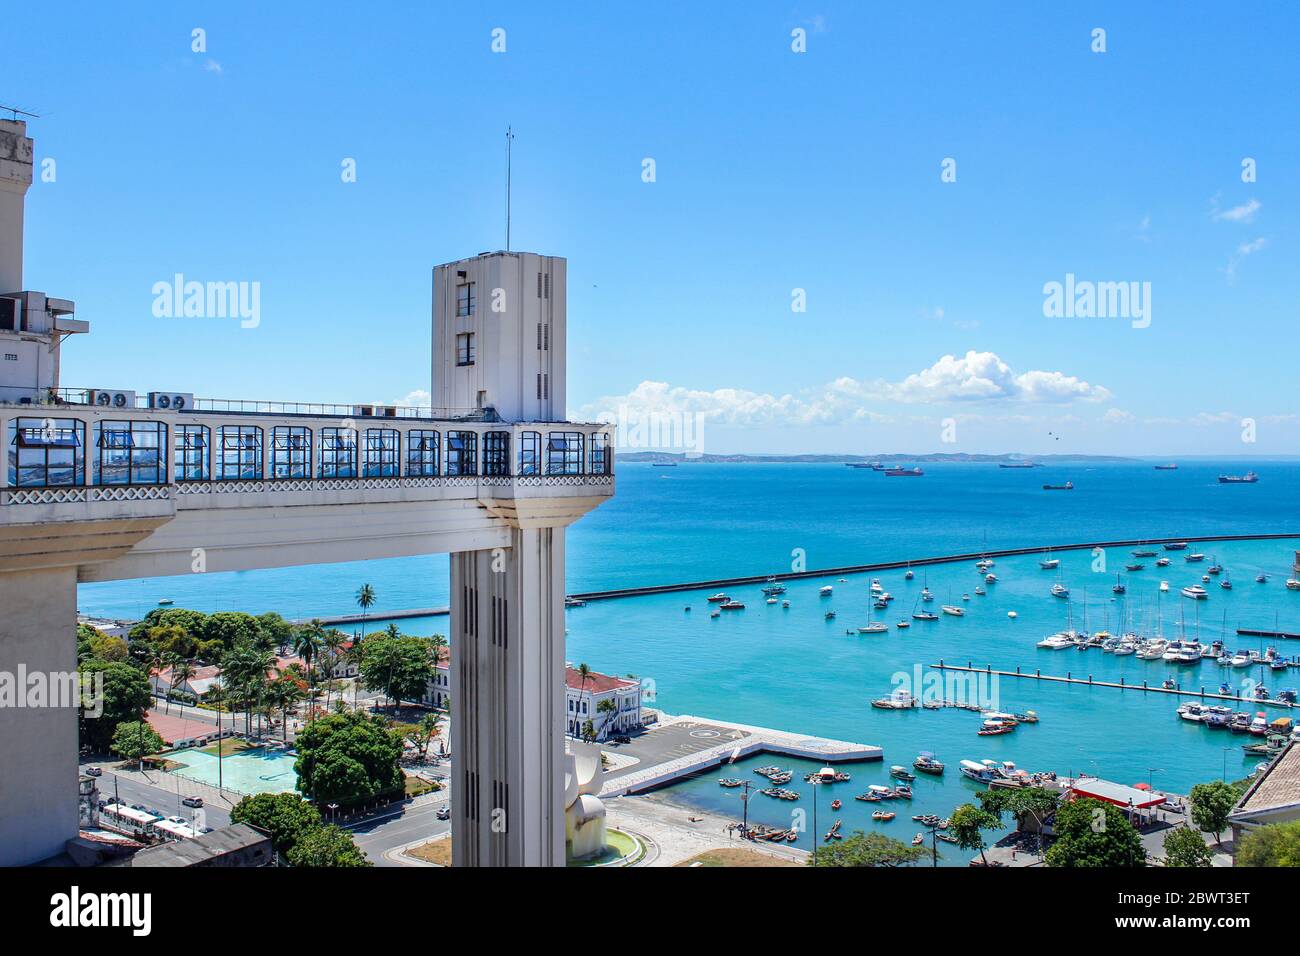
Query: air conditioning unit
175	401
110	398
375	411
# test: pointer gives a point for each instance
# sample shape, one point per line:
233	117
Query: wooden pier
1144	687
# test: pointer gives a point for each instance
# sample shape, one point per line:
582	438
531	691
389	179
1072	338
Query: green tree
1023	803
1090	833
968	823
1186	847
401	667
365	601
584	671
605	711
1275	845
234	628
282	693
1211	804
327	846
423	733
867	849
276	631
105	648
125	697
348	759
135	740
287	817
307	643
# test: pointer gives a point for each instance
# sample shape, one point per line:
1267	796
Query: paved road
158	796
415	825
662	744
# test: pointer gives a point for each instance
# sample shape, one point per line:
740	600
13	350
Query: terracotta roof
1276	787
597	683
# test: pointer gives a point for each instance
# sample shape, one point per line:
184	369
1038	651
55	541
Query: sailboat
873	627
1049	563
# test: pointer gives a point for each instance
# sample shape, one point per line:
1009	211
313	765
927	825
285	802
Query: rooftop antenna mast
17	112
510	139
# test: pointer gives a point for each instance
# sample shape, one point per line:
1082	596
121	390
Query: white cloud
1243	213
975	377
1243	250
212	66
1117	416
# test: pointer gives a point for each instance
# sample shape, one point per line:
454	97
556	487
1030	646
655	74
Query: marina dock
1143	687
1253	632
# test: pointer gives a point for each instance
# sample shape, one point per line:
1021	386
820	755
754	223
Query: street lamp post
815	782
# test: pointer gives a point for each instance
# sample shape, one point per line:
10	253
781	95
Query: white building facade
583	699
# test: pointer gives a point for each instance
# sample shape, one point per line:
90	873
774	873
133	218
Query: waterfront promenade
734	741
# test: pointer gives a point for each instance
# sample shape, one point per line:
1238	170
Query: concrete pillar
507	693
38	745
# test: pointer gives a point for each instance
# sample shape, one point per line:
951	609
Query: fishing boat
730	782
978	772
772	589
1060	590
1028	717
1143	553
884	816
718	598
953	610
1136	566
898	700
1194	557
732	606
1195	592
902	773
1176	546
1259	724
1068	486
992	728
1249	478
926	762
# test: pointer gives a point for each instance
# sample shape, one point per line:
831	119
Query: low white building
584	697
438	690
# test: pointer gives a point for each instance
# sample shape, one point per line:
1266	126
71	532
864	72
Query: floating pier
1144	687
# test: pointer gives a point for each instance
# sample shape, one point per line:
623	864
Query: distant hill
671	457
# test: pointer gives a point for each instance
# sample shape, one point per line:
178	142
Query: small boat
1134	567
1056	642
773	588
1194	557
953	610
880	604
1292	584
927	763
1143	553
1068	486
1162	562
903	624
1249	478
826	591
1205	578
836	804
1028	717
830	615
875	627
1164	585
718	598
876	586
1241	659
1261	578
884	816
1118	587
1192	712
1050	565
771	600
1215	569
980	589
1169	467
1195	592
991	578
924	616
1259	724
901	773
165	601
1176	546
977	771
918	839
926	595
732	606
1226	584
785	604
1060	591
715	614
730	782
965	597
908	575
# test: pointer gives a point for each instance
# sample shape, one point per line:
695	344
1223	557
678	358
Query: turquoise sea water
793	670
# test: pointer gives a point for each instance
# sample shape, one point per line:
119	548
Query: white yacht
1057	642
826	591
876	586
1153	650
1195	592
953	609
1060	591
1241	659
1194	712
926	595
875	627
1164	586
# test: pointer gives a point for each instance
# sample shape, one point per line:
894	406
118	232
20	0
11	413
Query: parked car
193	801
444	813
622	739
94	772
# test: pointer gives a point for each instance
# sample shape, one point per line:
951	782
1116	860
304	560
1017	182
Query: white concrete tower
498	335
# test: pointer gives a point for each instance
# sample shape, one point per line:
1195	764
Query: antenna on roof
16	111
510	139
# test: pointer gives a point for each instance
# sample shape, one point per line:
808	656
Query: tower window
465	350
465	299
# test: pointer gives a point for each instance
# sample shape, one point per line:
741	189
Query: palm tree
605	708
585	672
333	639
283	693
171	660
365	601
307	641
182	671
356	654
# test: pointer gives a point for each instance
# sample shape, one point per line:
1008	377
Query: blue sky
775	171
